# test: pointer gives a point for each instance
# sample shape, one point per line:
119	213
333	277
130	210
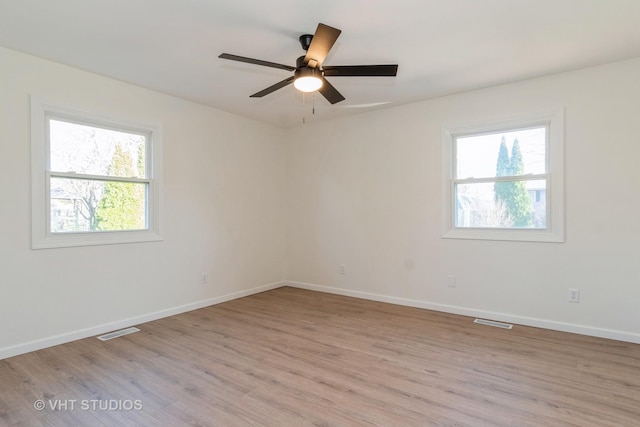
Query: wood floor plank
296	357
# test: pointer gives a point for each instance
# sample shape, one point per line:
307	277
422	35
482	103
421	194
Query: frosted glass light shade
308	84
307	79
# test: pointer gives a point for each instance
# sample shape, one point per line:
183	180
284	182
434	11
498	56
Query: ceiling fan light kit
309	74
307	79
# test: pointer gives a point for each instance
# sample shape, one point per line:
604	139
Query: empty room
336	213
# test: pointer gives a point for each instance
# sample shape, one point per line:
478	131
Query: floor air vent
493	323
116	334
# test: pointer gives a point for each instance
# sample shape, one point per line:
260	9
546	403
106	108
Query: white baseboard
125	323
463	311
502	317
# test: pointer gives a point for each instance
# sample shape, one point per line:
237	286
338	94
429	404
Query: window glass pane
95	151
510	153
502	204
81	205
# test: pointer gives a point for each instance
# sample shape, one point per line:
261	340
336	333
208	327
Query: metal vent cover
116	334
493	323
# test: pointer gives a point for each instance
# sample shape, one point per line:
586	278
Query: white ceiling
441	46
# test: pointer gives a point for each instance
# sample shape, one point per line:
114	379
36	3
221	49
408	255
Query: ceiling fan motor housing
300	63
304	71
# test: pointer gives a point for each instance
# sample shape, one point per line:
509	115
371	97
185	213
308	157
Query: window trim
41	236
554	121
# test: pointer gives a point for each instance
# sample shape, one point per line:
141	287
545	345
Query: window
504	181
95	179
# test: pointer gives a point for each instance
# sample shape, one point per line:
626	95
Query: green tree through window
512	194
122	205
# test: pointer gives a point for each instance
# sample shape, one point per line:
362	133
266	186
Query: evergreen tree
516	165
141	172
122	206
501	189
512	196
520	205
502	166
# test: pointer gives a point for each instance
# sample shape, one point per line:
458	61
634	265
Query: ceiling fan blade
331	93
360	70
273	88
256	61
322	42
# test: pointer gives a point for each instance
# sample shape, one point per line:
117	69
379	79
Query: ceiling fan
309	73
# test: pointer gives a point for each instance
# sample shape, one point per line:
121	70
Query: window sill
65	240
531	235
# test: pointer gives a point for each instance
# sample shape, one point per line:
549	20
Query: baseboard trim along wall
132	321
502	317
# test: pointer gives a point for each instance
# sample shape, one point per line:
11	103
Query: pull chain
303	103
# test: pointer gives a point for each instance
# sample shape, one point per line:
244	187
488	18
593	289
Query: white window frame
554	231
41	235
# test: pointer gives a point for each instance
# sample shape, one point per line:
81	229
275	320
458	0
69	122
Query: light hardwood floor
291	357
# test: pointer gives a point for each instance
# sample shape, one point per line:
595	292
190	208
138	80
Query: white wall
244	200
224	213
365	192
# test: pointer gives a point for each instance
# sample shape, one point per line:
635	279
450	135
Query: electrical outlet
205	278
342	269
574	295
451	281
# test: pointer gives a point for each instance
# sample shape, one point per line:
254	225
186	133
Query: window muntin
472	177
95	179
